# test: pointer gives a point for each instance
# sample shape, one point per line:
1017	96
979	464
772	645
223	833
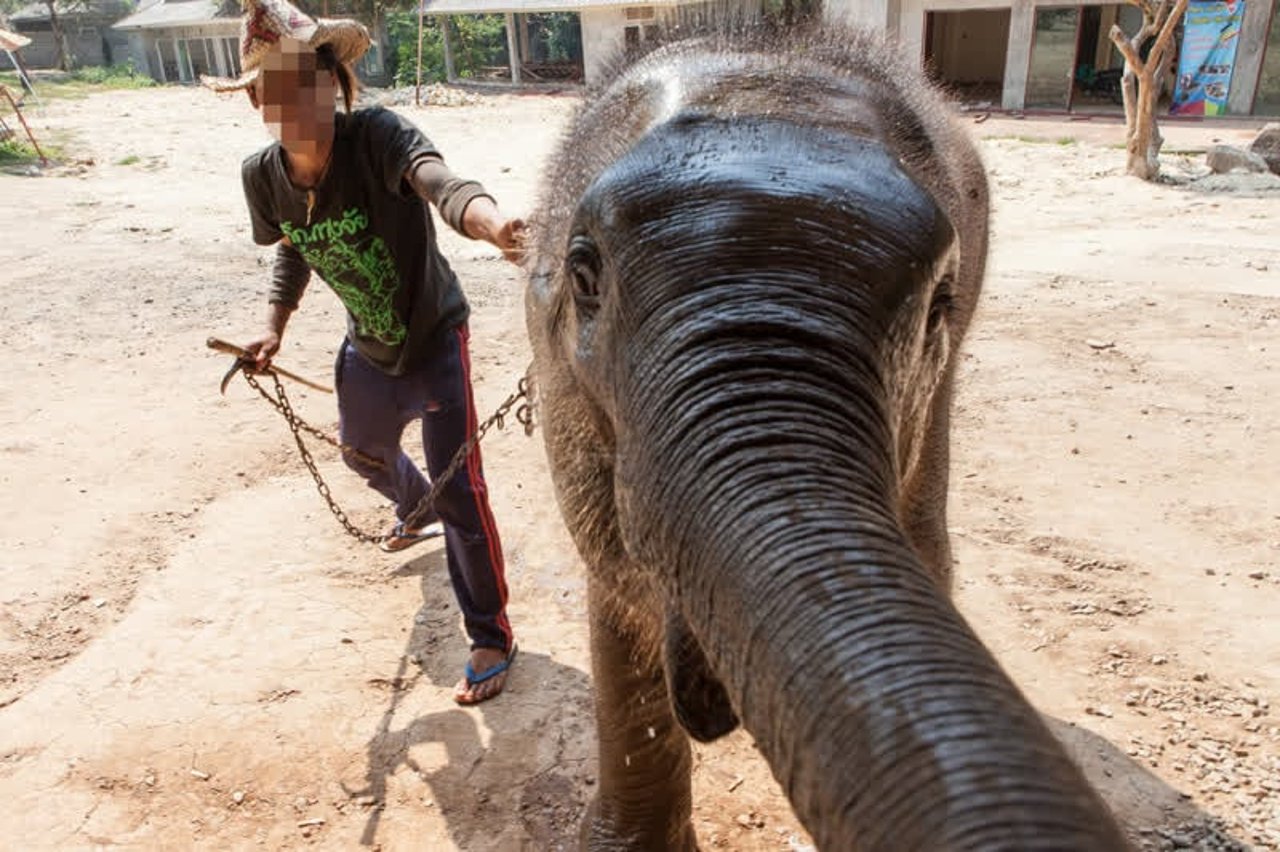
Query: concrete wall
905	19
1017	57
1268	94
143	47
86	45
602	40
1249	54
604	29
881	15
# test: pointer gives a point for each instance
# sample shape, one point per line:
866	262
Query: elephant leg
644	800
924	509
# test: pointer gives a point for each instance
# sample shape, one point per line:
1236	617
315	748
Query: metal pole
44	161
417	94
22	75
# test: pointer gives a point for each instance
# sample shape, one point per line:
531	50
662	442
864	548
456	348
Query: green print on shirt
358	267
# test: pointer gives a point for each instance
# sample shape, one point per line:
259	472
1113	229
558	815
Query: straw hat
265	22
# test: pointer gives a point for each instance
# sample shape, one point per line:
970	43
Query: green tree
479	41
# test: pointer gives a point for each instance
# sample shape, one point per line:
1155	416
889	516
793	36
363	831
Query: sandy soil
193	656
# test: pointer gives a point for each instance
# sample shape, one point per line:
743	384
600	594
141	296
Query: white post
164	78
513	47
450	73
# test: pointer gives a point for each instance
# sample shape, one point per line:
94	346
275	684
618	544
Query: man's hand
510	239
264	349
483	222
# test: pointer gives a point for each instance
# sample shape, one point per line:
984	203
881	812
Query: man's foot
486	675
399	537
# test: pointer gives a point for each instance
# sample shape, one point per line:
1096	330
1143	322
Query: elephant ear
699	698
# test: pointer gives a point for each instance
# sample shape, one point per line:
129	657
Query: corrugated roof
169	13
37	12
485	7
40	12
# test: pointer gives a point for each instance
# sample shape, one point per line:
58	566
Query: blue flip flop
493	671
400	539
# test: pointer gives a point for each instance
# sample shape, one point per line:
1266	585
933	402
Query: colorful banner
1210	35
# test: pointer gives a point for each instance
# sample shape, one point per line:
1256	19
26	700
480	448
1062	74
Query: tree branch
1126	49
1166	32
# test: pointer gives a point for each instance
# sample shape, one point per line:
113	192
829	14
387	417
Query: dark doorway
965	53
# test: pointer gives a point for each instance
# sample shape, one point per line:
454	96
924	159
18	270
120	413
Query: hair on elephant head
755	259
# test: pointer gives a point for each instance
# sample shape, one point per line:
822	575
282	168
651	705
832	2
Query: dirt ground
193	656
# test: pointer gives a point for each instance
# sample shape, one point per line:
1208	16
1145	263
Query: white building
608	26
175	41
1025	54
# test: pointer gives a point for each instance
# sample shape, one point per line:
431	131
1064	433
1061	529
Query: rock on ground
1267	146
1226	158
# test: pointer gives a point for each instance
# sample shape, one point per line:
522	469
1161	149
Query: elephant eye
941	306
583	267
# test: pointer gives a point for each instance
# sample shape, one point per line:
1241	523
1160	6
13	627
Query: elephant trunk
772	518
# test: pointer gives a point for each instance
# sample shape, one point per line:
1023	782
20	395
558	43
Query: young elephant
754	266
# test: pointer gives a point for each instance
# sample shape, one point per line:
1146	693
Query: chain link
281	404
425	507
524	414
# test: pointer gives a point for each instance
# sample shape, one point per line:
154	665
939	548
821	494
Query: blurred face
296	97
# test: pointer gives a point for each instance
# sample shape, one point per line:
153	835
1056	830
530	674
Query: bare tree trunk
1142	83
1144	140
59	37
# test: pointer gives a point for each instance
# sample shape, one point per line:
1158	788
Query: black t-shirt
367	234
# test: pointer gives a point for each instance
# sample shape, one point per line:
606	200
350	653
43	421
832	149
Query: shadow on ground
1154	815
532	767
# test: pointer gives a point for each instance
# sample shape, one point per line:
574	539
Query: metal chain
425	506
524	414
286	411
297	426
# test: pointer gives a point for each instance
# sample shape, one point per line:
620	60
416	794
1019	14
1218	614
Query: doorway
1074	65
965	52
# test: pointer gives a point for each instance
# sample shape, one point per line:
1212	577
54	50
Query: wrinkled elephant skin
754	264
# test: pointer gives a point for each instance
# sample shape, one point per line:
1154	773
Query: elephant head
755	261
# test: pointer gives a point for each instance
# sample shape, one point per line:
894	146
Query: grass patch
113	77
1036	140
130	160
79	83
16	153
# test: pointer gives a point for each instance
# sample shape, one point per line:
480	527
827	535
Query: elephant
753	261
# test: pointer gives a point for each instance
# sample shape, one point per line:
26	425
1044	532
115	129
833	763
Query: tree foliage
478	41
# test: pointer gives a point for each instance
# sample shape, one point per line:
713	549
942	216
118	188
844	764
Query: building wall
602	39
881	15
604	29
906	20
86	43
1250	53
143	47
